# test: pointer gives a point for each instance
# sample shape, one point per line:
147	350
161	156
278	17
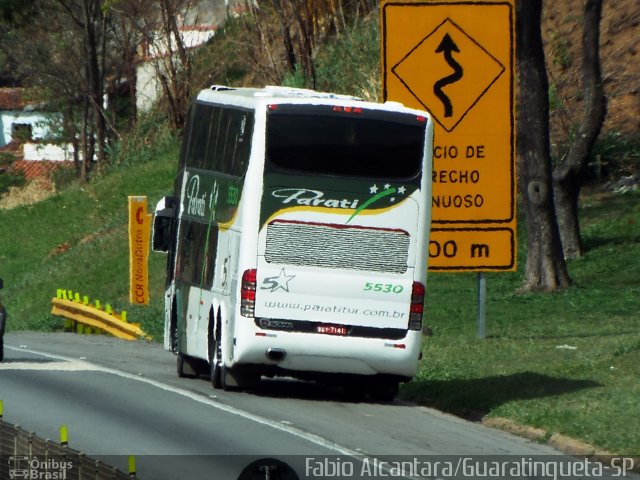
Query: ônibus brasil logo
27	467
317	198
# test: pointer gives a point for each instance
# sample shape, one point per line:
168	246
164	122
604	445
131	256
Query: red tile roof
33	169
12	99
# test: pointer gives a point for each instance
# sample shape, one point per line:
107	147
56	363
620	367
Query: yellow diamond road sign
456	59
459	72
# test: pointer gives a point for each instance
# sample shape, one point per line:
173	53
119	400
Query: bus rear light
421	118
338	108
417	306
248	293
272	106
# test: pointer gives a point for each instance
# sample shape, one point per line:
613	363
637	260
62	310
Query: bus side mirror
163	221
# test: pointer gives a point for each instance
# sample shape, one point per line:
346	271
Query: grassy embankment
567	362
78	240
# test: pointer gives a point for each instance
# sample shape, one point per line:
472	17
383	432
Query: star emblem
280	281
373	189
401	190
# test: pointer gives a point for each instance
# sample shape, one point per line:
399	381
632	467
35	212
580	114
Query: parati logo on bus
196	203
315	198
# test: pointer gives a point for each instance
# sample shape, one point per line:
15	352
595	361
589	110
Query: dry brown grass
35	191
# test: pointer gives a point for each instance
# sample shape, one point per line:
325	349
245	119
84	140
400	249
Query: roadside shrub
151	137
615	155
10	179
349	63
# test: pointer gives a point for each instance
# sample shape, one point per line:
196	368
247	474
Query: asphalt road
122	398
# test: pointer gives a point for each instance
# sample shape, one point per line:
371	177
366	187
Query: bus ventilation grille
337	246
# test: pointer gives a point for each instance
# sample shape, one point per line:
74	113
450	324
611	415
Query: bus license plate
331	329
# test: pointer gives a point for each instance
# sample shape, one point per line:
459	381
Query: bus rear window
366	144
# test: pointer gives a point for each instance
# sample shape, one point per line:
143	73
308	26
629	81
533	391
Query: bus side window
210	259
242	143
184	262
222	148
193	261
198	252
199	136
212	160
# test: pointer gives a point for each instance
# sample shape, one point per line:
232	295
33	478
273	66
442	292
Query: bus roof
249	97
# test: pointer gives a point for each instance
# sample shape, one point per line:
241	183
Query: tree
62	50
91	20
569	175
287	33
13	14
545	267
158	29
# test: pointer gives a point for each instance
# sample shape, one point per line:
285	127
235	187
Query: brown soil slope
619	52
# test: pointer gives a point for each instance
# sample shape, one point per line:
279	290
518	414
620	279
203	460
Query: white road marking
67	366
310	437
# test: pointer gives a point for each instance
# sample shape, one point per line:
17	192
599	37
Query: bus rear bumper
308	353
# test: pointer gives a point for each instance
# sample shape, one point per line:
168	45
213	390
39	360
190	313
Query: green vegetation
78	240
566	362
10	179
350	65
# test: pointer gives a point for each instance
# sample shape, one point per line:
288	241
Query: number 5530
383	287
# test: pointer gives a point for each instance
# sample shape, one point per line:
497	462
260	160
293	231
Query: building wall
48	152
8	119
197	27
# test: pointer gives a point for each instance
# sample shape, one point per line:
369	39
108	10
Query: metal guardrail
97	318
25	455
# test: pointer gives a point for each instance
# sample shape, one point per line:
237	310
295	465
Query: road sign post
456	59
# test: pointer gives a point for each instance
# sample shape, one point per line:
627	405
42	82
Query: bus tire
354	390
173	328
384	390
218	375
217	370
239	378
185	367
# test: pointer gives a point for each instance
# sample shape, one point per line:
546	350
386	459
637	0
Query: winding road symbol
447	46
448	72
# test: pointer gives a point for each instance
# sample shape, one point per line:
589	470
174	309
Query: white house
24	128
198	26
18	114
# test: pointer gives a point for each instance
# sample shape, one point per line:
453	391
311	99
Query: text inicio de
453	151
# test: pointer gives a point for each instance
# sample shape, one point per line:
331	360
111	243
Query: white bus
297	238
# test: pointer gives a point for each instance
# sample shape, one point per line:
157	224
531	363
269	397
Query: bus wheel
384	390
173	328
185	367
239	378
215	361
354	390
